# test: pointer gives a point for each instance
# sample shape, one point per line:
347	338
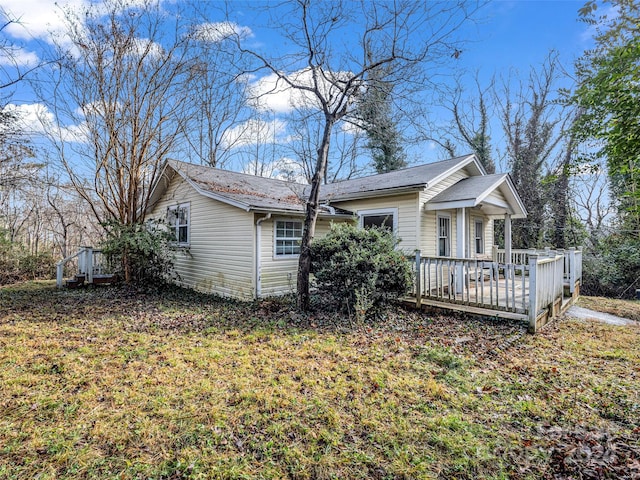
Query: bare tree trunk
304	262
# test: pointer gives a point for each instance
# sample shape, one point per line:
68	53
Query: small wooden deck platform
470	309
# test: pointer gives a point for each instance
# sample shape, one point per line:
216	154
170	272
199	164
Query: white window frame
448	236
376	212
175	227
277	255
480	237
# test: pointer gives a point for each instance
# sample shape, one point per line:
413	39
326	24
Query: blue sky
508	37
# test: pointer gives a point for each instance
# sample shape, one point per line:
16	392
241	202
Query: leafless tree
329	68
120	87
533	122
471	123
216	95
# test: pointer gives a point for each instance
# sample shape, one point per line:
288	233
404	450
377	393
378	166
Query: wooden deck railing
471	282
530	287
90	262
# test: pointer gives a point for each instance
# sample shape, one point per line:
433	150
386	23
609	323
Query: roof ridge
234	172
393	172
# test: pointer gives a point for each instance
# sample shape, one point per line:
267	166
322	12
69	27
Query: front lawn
111	383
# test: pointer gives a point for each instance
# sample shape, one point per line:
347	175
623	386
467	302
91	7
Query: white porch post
461	235
507	238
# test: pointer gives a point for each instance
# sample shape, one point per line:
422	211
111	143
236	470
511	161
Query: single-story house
241	232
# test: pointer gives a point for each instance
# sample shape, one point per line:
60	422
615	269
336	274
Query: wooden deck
533	290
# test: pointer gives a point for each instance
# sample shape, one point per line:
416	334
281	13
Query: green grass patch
107	383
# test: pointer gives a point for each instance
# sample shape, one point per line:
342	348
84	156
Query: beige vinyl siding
407	206
279	274
428	219
220	256
497	195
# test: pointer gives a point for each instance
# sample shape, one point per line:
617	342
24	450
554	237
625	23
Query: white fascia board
498	203
489	190
468	203
516	197
461	164
156	186
387	192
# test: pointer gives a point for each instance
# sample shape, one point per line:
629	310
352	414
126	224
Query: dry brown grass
115	384
622	308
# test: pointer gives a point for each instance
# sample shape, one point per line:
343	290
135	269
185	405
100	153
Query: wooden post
59	274
533	310
89	264
572	270
494	253
507	238
418	280
461	235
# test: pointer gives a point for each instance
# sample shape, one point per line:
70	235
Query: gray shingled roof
244	190
406	178
468	188
259	193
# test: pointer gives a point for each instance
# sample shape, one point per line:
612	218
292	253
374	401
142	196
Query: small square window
288	238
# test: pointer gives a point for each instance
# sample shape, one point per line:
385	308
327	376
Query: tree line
131	84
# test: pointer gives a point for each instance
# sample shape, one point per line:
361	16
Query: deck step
103	279
79	280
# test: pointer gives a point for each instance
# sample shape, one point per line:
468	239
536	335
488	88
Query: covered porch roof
495	195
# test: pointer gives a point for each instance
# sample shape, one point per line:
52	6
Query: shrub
613	270
142	254
359	268
17	264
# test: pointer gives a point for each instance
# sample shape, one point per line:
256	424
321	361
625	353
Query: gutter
258	262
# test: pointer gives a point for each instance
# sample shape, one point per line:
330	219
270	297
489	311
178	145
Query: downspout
329	208
258	262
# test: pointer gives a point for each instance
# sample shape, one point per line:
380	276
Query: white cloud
36	119
37	18
255	131
273	93
219	31
144	46
18	57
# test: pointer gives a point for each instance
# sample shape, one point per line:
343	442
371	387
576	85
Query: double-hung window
444	236
479	237
178	222
288	237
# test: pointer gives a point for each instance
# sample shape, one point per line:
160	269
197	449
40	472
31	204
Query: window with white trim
444	236
288	237
479	237
178	222
379	218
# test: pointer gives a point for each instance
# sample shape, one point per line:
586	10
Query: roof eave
471	158
386	192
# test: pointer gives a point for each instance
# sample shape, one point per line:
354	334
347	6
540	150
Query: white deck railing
528	287
90	262
474	282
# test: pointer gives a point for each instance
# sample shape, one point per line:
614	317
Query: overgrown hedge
18	265
359	268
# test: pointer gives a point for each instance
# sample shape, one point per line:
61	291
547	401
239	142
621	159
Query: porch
533	286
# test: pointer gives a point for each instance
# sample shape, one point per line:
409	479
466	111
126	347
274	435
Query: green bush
141	254
613	270
359	268
18	265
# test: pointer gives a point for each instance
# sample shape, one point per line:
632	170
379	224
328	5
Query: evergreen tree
375	117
